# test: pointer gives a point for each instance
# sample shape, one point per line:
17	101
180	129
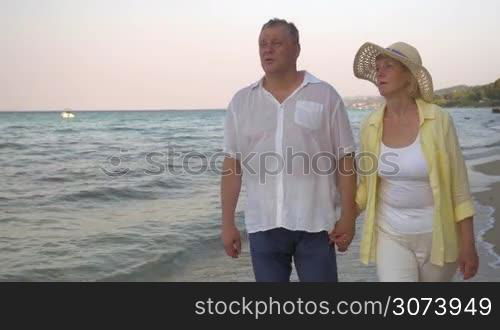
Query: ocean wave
166	264
108	194
187	137
87	173
112	129
21	173
55	179
161	265
17	127
12	145
39	153
485	145
124	129
185	243
87	152
11	219
490	248
162	185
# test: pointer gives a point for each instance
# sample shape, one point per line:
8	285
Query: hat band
397	52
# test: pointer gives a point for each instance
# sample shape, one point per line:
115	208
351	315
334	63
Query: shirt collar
425	111
308	79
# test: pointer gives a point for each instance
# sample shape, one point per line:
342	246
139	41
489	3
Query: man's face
278	50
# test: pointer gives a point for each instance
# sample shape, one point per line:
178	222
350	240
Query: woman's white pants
406	258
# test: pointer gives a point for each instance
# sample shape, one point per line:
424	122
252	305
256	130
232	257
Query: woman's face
392	77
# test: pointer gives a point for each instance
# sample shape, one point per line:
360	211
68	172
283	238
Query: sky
195	54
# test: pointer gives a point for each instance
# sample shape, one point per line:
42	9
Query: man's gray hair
292	29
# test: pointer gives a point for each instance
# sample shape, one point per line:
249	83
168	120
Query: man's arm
230	191
345	227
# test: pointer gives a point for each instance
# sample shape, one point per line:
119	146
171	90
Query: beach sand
220	268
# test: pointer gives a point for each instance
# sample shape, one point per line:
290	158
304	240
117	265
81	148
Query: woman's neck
399	105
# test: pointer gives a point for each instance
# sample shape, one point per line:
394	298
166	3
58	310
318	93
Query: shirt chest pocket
308	114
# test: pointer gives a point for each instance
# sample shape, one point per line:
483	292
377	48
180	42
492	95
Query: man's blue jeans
272	252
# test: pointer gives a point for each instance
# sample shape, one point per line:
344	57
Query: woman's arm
463	205
468	260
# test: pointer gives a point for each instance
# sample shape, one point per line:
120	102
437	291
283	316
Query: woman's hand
468	260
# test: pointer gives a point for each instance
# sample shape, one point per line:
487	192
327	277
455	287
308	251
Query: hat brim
364	68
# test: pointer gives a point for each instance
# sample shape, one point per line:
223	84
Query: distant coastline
461	96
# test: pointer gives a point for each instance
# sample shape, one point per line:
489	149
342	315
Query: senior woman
413	179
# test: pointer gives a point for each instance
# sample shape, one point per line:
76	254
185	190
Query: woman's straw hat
364	64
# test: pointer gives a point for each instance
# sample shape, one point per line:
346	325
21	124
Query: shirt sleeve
361	191
341	132
462	200
231	133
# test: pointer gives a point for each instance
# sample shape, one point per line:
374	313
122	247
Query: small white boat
67	114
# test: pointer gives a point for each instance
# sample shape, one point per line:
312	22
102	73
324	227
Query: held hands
345	229
343	233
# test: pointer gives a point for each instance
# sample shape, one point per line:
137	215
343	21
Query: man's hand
232	240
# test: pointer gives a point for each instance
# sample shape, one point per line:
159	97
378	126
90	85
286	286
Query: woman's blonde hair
413	90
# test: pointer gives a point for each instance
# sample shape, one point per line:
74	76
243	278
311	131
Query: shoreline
491	197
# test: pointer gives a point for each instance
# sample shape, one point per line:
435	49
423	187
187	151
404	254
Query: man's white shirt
289	154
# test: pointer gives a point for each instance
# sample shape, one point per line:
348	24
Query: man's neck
283	81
